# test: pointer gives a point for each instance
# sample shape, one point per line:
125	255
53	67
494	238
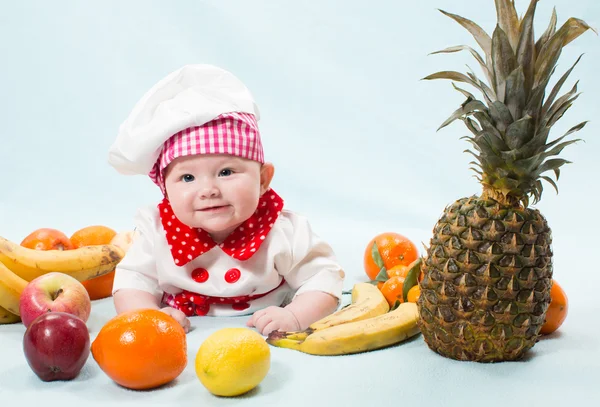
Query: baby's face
215	192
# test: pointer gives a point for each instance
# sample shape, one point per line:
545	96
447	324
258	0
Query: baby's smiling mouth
213	208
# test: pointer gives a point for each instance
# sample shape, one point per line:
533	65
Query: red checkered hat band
233	133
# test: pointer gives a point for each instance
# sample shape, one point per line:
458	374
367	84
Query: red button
200	275
232	275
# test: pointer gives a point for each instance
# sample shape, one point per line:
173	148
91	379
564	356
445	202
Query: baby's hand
179	317
273	319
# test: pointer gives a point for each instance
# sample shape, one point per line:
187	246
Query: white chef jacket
291	250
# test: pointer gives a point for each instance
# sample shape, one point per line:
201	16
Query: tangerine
387	250
99	287
400	270
392	290
557	311
47	239
413	294
141	349
92	235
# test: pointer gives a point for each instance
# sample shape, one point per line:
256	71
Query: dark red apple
56	346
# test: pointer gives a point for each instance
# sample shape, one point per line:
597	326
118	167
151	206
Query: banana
367	302
7	317
82	263
11	287
354	337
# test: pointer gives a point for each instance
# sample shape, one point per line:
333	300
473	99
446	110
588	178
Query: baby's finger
254	317
271	326
186	324
262	322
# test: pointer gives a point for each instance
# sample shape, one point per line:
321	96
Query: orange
400	270
392	290
99	287
413	294
393	249
141	349
47	239
557	311
92	235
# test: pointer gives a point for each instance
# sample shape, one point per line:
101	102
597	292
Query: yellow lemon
232	361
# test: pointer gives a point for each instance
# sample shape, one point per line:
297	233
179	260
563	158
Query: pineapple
488	269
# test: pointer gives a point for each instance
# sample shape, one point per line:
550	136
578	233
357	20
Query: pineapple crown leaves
511	124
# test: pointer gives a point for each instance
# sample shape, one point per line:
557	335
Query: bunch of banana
19	265
367	302
7	317
11	287
354	337
82	263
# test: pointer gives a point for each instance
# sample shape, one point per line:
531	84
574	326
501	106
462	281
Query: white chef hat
189	97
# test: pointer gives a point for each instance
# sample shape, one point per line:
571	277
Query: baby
220	242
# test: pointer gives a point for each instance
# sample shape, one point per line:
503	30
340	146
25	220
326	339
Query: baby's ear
266	175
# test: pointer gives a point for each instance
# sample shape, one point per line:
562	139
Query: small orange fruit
47	239
557	311
141	349
400	270
99	287
392	290
413	294
92	235
391	249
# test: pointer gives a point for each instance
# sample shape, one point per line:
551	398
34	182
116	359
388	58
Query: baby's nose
209	191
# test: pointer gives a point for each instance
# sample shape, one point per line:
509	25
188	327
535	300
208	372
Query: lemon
232	361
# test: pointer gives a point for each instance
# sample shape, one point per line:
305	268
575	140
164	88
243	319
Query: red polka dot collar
187	243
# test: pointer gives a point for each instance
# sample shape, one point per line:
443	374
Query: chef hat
189	98
231	133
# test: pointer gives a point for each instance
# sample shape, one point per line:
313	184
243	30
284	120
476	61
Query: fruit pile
53	239
21	265
392	261
43	284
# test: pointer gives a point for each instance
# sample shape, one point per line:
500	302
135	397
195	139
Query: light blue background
351	130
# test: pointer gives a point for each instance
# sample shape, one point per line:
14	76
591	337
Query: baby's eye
226	172
187	178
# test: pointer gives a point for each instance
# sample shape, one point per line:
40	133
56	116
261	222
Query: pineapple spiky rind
488	269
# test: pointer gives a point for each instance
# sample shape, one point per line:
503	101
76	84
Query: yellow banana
354	337
11	287
7	317
82	263
367	302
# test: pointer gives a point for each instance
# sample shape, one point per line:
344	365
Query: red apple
56	346
54	292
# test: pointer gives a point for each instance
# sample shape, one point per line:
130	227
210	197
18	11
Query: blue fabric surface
560	369
351	130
